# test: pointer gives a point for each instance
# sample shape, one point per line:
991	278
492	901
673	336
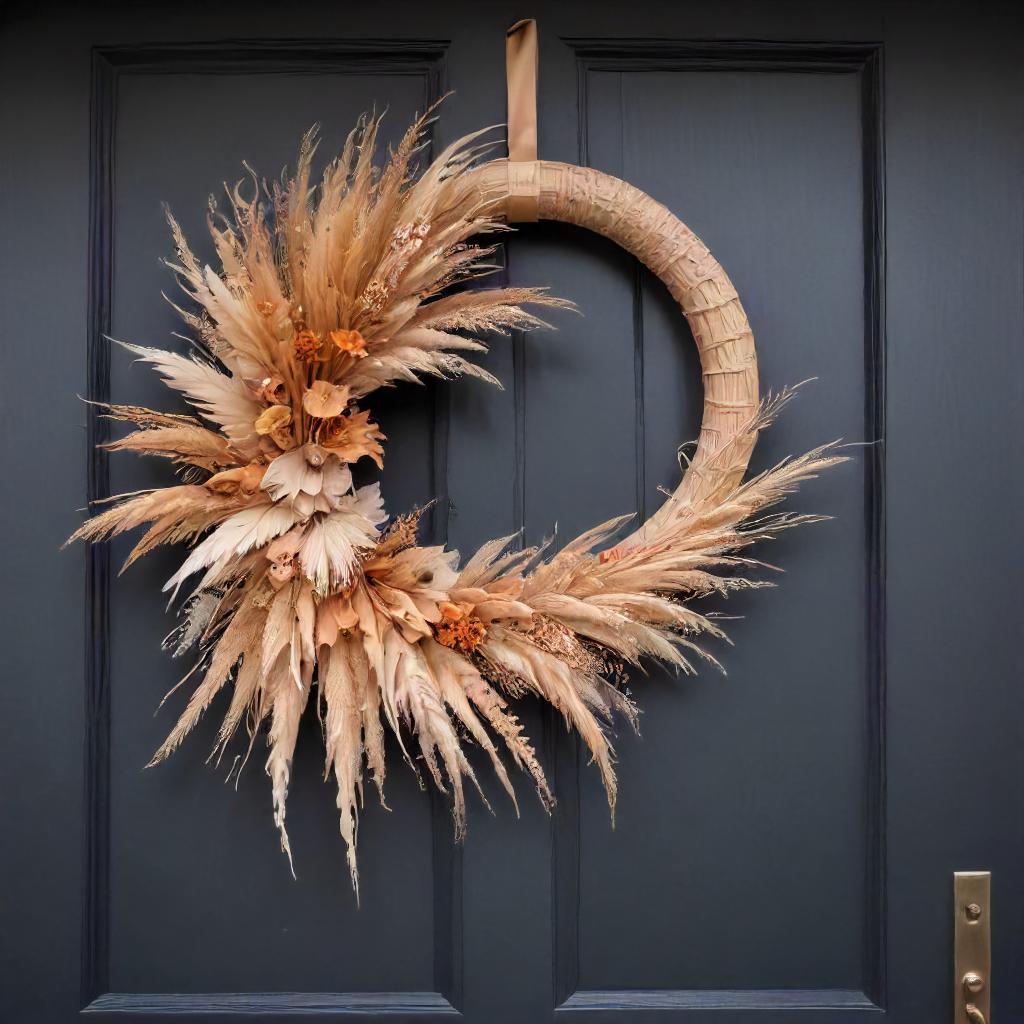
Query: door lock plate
972	947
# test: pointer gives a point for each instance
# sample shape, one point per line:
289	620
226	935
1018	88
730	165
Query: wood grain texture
718	999
278	1007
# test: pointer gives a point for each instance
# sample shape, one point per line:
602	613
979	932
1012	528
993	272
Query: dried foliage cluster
328	292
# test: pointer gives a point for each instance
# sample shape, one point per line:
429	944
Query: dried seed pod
314	455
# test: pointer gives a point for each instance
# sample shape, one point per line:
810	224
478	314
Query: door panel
170	145
786	834
775	757
179	122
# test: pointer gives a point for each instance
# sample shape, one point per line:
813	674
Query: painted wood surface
786	835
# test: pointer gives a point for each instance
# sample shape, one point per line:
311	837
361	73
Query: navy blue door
787	834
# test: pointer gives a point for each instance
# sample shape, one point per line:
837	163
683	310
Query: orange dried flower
459	631
351	343
306	345
352	436
266	308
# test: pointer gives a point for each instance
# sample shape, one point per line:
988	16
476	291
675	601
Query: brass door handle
972	954
973	984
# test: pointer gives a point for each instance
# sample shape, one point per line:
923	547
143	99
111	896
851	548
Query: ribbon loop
521	77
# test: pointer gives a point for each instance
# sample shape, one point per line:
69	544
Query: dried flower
351	343
309	478
353	436
280	573
458	629
324	399
275	416
307	345
271	390
275	423
244	480
266	308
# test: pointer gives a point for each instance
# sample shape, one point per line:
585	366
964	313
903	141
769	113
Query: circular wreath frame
525	191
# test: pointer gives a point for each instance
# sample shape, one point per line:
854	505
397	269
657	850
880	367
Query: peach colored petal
324	399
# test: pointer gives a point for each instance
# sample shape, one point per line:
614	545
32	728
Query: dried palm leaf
328	290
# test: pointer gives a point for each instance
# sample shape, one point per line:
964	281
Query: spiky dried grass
325	294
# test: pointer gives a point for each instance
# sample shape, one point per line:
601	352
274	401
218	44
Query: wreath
327	293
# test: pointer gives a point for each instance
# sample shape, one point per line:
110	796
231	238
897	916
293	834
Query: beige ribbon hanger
521	76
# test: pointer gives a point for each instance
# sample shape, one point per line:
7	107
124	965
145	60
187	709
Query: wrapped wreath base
302	589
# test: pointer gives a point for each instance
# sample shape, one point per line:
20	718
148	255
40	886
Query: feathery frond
328	290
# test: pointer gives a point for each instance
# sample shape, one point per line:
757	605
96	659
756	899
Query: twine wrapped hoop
654	235
525	189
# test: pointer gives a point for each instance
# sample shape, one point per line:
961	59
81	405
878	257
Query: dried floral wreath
325	295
